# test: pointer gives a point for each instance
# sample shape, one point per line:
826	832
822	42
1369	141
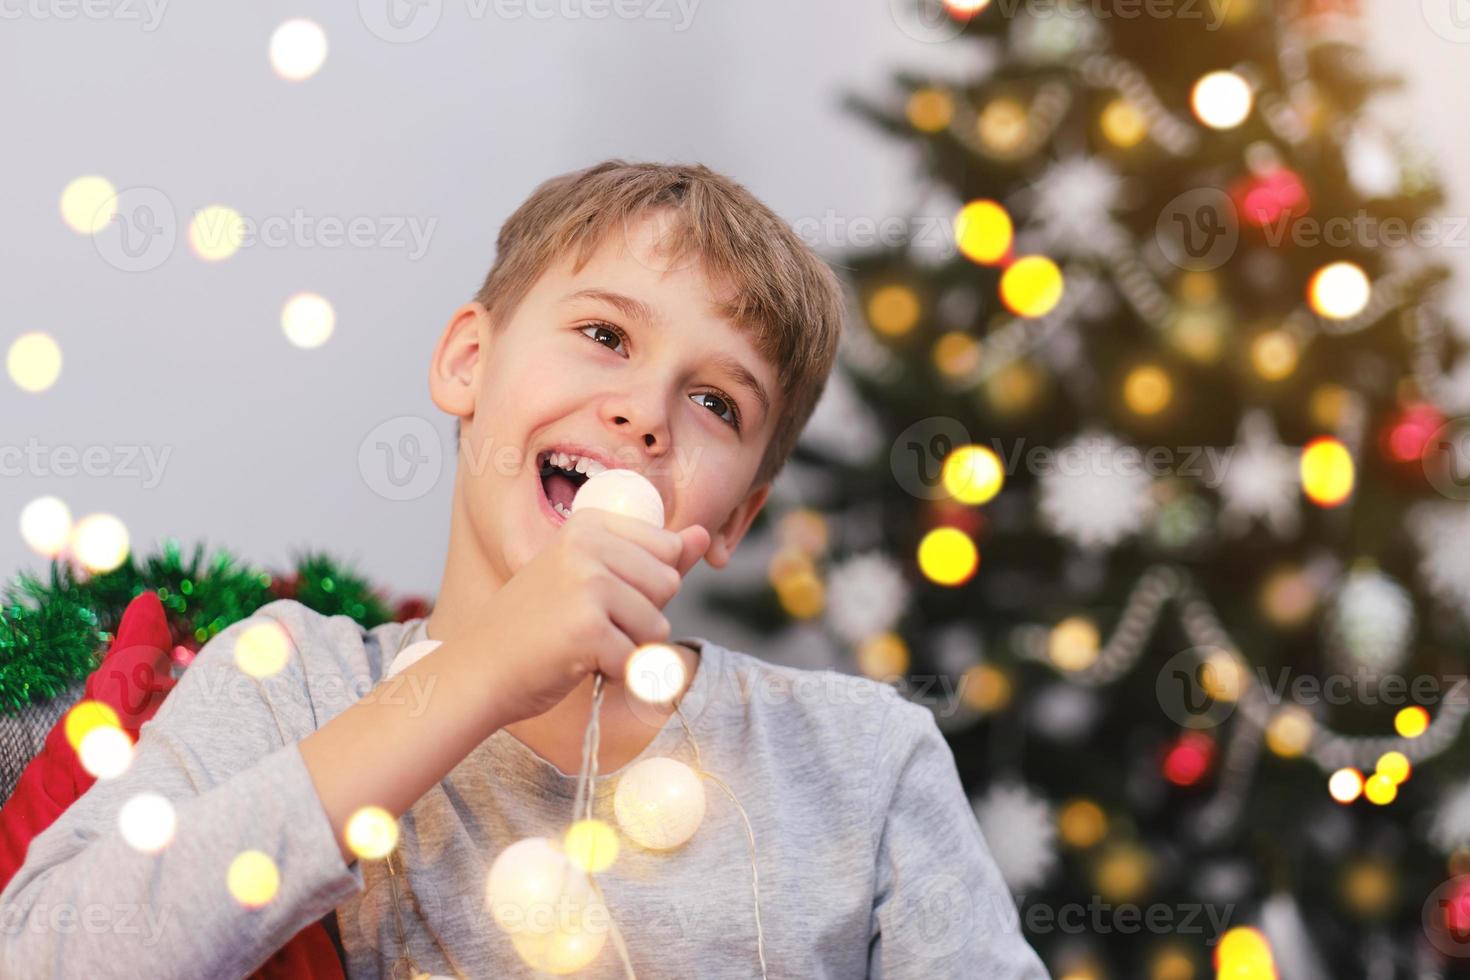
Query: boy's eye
604	330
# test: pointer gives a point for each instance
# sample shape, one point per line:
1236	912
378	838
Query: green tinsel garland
53	634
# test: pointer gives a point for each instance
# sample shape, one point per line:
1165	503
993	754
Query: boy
651	317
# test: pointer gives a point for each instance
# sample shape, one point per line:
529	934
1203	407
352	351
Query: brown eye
721	401
602	331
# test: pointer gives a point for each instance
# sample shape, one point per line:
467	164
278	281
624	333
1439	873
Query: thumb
695	540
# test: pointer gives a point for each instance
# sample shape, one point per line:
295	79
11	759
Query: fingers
656	580
665	544
696	541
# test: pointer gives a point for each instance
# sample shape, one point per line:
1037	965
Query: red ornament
1189	759
284	587
951	513
412	607
1274	196
1406	436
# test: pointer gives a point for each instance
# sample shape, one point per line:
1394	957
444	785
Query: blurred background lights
983	232
1290	732
1031	286
1339	291
956	353
45	526
1222	99
930	110
893	310
216	232
883	656
1244	954
253	879
591	845
1411	722
1073	643
963	9
371	833
88	204
655	673
1345	785
261	650
972	474
147	822
947	556
298	48
106	751
308	320
86	715
1081	823
1274	354
1326	471
33	361
1380	789
1147	390
1395	766
1122	124
100	542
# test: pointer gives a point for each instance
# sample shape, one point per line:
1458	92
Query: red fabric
133	679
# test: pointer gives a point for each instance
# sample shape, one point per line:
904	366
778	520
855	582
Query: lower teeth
561	509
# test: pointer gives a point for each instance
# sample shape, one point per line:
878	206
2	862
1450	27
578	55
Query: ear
454	371
723	541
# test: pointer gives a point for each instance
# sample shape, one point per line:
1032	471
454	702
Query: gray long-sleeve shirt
870	859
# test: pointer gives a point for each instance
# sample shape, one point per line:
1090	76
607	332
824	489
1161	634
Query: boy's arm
222	750
941	909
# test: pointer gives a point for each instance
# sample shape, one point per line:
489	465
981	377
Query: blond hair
784	296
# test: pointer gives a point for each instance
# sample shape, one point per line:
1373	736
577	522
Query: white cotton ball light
547	905
623	492
655	673
659	803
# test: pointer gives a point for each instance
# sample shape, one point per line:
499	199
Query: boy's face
657	399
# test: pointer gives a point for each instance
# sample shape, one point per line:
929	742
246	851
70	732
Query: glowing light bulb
1345	785
88	204
1147	390
45	525
33	361
1031	286
1074	643
1327	471
297	49
86	715
1394	765
656	673
591	845
972	474
623	492
547	905
253	879
147	822
100	542
1411	722
308	320
659	803
262	649
216	232
1339	291
1222	99
983	232
371	833
893	310
106	752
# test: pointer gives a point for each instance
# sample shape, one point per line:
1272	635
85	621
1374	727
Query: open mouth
560	474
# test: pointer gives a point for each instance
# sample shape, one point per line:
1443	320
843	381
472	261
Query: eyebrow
635	309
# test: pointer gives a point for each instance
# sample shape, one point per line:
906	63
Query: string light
655	673
1222	99
33	361
983	232
1003	126
1327	471
308	320
883	656
1290	732
964	9
1074	643
546	905
45	525
1411	722
1147	390
894	310
297	49
659	803
591	845
216	232
106	752
253	879
1339	291
371	832
930	110
1244	954
1081	823
956	353
1394	766
1031	286
803	529
1345	785
88	204
972	474
1274	354
947	556
100	542
985	688
147	822
1122	124
1380	789
261	650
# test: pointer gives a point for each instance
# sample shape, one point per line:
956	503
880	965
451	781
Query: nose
643	417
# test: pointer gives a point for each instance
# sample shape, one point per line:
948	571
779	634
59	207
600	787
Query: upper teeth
581	464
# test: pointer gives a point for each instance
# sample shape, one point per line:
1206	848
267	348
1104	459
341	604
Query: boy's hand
583	604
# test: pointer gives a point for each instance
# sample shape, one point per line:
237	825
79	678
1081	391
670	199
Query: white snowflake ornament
1020	832
1096	492
865	595
1370	624
1260	480
1071	207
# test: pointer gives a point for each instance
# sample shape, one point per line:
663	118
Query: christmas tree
1154	490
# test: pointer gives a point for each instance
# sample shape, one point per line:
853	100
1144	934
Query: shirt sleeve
940	908
222	750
